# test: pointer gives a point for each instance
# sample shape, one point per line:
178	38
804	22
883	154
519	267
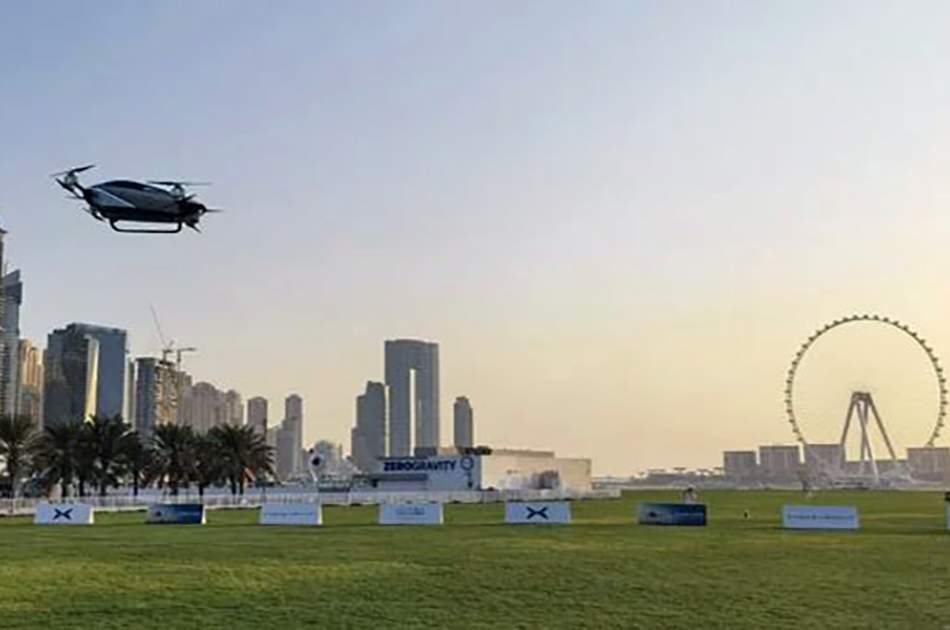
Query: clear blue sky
617	218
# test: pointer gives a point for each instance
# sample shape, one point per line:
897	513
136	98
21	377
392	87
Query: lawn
601	571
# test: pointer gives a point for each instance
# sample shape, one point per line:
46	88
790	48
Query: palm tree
85	458
17	446
209	465
135	458
244	455
104	438
57	458
173	462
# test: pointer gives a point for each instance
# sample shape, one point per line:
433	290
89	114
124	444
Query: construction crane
168	347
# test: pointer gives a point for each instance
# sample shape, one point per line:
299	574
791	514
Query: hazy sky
618	219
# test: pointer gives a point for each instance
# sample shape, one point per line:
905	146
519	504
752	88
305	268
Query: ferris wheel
862	412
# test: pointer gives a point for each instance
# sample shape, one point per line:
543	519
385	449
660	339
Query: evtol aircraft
119	201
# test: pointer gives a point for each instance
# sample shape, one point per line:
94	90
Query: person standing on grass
690	496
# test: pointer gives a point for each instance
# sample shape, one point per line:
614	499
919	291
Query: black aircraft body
124	201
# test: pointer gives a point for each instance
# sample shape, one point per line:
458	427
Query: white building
368	437
780	461
739	464
257	414
464	423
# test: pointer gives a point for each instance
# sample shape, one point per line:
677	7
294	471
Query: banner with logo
291	514
538	512
672	514
410	513
63	514
820	517
176	514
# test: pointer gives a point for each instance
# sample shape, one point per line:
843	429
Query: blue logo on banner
672	514
541	513
176	513
64	514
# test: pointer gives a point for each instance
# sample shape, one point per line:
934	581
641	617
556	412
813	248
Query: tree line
83	458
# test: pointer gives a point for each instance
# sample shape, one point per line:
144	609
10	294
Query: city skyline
619	237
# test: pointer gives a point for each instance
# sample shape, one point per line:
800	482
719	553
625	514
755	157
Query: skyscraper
285	455
30	389
368	437
290	437
257	414
10	347
412	375
70	369
156	394
113	348
464	423
234	408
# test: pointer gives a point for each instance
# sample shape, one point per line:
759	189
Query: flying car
123	201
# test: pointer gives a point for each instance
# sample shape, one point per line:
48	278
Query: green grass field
601	571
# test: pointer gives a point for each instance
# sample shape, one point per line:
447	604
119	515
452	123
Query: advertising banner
672	514
819	517
410	513
176	514
538	512
63	514
291	514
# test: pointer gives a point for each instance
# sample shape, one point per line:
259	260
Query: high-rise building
10	345
257	414
113	351
156	394
208	407
70	373
30	375
290	437
6	355
464	423
368	437
287	454
234	408
412	375
111	344
130	392
184	393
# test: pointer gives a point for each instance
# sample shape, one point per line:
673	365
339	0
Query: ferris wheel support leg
847	423
866	438
880	425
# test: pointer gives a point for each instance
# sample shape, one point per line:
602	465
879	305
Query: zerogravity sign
819	517
410	514
291	514
63	514
176	514
538	512
671	514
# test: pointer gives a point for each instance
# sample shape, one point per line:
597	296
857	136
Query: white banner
538	512
820	517
410	513
291	514
63	514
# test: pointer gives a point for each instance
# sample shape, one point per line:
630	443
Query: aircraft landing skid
114	226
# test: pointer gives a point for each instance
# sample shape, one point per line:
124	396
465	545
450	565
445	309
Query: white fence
122	503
